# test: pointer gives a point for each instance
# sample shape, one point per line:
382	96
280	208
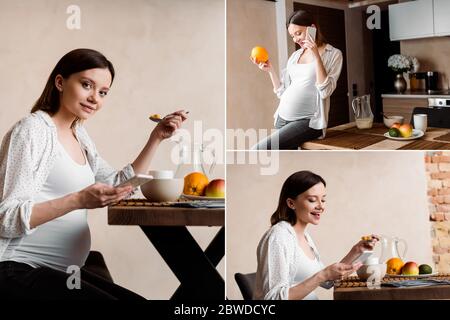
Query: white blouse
63	241
332	60
282	264
27	154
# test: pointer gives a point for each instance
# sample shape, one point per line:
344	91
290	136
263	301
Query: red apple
406	130
410	269
215	189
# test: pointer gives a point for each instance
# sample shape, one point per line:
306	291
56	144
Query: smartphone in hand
311	32
362	257
136	181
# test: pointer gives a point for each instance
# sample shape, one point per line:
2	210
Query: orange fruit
394	266
195	184
260	54
396	125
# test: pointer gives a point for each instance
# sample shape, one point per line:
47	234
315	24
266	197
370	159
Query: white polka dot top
27	154
282	263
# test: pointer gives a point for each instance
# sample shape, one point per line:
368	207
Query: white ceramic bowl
368	269
390	120
161	190
161	174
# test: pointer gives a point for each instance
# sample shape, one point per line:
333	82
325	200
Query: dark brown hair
296	184
72	62
305	19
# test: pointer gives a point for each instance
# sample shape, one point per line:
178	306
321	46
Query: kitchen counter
417	94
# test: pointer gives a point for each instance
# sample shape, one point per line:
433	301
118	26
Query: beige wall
251	102
367	192
432	54
167	54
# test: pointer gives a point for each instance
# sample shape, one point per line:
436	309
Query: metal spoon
157	118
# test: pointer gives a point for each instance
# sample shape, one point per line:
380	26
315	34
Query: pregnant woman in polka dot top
51	173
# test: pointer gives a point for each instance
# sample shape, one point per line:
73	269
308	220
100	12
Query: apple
396	125
406	130
410	269
215	189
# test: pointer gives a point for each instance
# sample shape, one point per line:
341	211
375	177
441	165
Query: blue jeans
289	136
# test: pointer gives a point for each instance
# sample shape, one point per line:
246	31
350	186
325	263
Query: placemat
184	203
445	137
425	145
349	140
379	129
354	281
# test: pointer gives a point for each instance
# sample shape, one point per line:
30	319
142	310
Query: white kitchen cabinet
411	20
442	17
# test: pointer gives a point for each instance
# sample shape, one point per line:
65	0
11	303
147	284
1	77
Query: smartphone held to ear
311	32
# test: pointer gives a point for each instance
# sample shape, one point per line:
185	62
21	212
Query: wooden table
353	289
165	227
349	137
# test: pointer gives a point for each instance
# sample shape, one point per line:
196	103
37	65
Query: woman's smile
316	214
87	108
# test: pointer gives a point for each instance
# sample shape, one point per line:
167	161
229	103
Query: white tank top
66	240
299	100
307	268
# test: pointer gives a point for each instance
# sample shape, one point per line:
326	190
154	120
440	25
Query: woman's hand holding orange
264	66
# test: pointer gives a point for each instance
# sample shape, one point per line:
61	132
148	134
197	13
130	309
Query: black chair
437	117
95	263
246	283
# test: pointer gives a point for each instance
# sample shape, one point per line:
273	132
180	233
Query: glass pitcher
390	248
363	112
194	158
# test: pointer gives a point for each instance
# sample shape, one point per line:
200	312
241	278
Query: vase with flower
399	64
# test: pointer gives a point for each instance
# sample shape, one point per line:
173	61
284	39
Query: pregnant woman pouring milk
289	264
305	87
51	173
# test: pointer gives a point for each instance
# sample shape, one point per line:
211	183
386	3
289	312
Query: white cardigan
332	60
278	260
27	154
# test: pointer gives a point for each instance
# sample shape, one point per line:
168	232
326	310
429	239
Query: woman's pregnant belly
57	244
298	102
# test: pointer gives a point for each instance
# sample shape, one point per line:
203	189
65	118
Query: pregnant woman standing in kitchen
51	173
289	264
305	88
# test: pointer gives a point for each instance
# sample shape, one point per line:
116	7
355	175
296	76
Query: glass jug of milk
363	112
